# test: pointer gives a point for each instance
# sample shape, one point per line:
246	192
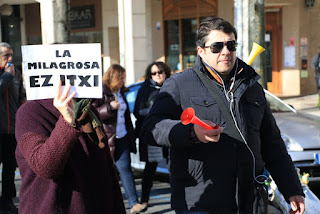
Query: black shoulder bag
222	106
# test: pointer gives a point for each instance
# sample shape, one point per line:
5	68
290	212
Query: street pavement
159	202
307	104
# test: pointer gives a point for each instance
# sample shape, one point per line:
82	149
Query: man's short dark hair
213	23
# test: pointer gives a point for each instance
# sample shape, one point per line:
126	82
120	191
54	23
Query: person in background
115	116
12	95
156	74
64	159
315	65
221	170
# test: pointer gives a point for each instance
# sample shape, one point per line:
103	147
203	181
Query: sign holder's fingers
65	93
69	98
59	91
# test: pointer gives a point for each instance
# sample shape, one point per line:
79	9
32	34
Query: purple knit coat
60	172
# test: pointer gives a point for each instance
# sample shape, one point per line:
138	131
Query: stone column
109	29
132	36
54	21
126	38
251	28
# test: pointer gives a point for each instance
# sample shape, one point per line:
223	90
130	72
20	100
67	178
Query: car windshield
277	105
132	94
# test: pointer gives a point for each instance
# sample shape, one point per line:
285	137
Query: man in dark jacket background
11	97
208	167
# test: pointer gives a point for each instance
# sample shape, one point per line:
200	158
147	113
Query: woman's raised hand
65	104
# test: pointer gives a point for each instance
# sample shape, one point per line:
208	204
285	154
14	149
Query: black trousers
147	180
148	176
7	157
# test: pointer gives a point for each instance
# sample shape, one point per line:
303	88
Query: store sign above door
82	17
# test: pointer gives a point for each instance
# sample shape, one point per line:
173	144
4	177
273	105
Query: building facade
138	32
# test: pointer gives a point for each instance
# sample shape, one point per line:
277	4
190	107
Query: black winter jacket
203	176
12	95
144	101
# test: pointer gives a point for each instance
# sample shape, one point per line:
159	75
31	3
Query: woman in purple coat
64	159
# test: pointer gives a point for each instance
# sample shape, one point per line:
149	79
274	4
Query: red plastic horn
188	116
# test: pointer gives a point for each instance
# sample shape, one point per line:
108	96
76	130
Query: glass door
189	51
172	45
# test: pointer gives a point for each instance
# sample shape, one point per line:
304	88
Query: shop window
172	44
181	21
11	33
180	46
86	22
188	43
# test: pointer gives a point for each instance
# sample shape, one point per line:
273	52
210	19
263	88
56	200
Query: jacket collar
154	84
241	72
150	83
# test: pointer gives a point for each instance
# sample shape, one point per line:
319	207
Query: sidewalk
159	202
307	104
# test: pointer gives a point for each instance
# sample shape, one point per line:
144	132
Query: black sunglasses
157	72
217	47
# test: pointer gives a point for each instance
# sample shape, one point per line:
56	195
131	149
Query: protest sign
75	64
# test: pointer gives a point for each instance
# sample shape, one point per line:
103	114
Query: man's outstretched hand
208	135
297	204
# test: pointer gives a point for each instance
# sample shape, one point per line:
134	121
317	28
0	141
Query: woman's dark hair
162	67
212	23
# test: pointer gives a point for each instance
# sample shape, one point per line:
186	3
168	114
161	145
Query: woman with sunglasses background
156	74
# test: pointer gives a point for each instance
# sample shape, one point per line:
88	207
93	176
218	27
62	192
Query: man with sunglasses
220	170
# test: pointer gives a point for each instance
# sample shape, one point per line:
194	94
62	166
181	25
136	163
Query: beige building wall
290	24
226	10
298	23
134	36
139	19
309	29
156	28
110	33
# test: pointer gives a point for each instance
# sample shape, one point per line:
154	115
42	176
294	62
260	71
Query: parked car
300	132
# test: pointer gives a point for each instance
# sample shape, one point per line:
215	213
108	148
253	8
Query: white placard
289	56
77	64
